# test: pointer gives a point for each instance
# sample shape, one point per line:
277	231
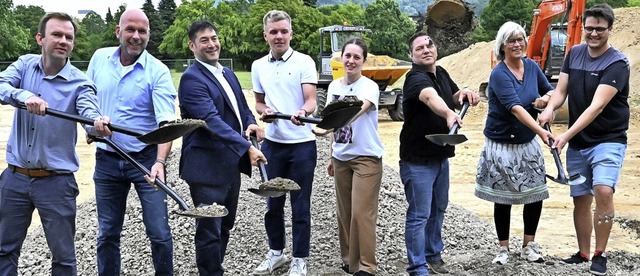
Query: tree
29	18
176	41
15	39
109	35
108	18
500	11
167	10
391	28
93	23
156	26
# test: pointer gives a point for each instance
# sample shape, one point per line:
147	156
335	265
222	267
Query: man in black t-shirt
430	97
597	76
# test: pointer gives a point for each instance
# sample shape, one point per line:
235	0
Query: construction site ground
470	67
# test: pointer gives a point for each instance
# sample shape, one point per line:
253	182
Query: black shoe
576	259
345	268
362	273
438	267
599	264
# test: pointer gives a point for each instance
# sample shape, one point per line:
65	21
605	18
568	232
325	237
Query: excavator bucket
450	24
443	12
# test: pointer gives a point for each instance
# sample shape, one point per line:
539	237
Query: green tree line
240	27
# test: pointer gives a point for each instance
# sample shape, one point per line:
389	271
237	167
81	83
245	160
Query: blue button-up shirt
46	142
138	97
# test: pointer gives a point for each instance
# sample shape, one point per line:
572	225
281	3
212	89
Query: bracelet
547	94
164	163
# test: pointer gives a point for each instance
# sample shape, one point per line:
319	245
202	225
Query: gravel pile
470	242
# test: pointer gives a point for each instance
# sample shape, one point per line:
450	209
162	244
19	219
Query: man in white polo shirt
285	81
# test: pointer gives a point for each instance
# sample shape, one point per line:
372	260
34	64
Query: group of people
127	85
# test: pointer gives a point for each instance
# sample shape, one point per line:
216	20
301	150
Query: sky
72	6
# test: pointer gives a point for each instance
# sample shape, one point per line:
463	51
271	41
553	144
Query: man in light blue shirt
41	149
134	89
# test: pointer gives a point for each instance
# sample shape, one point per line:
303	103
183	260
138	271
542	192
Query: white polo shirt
281	83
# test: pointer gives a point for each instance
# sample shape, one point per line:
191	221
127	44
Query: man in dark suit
212	160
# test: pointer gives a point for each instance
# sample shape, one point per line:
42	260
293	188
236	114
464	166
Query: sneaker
599	264
345	268
298	267
532	252
502	257
437	267
271	263
577	258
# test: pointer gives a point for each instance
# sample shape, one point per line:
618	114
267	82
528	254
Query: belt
35	173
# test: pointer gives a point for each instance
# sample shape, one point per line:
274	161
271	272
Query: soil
470	67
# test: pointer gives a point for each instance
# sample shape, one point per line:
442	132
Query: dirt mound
449	23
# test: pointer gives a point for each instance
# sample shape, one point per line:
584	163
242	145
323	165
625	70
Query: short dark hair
416	35
603	11
56	15
200	26
358	42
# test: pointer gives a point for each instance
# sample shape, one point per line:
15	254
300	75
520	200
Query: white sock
276	252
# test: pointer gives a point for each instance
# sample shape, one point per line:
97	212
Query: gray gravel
470	243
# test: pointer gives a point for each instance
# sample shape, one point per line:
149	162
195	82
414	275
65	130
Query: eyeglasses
599	30
520	41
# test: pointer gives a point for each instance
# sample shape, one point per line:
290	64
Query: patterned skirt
511	173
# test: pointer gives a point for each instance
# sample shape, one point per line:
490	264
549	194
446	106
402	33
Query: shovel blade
446	139
339	117
576	179
558	180
267	193
203	212
171	131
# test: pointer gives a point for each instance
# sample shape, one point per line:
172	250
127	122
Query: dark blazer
212	156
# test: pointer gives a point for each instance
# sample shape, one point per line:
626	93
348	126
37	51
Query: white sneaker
532	252
298	267
503	256
271	263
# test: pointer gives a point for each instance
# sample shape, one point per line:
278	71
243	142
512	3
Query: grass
243	76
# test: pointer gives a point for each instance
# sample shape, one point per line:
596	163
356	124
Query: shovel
203	211
167	133
347	101
334	119
575	179
452	138
263	176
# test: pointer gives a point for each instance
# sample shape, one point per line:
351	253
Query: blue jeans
296	162
113	177
426	186
55	199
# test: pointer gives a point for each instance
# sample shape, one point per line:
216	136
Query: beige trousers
357	188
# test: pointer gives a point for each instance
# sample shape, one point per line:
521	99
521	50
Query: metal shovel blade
171	131
204	211
267	193
576	179
337	105
334	119
446	139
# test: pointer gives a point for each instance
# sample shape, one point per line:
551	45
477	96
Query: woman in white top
356	164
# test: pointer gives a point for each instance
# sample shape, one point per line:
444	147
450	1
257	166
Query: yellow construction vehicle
384	70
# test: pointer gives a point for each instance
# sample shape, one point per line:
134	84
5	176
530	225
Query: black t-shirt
585	74
419	120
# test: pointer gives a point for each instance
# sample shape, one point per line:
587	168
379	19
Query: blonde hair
275	16
507	30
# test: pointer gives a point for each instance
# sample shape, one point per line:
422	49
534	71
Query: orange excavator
551	39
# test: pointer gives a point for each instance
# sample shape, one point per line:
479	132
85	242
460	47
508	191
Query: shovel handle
288	116
261	168
556	155
83	120
456	126
141	168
